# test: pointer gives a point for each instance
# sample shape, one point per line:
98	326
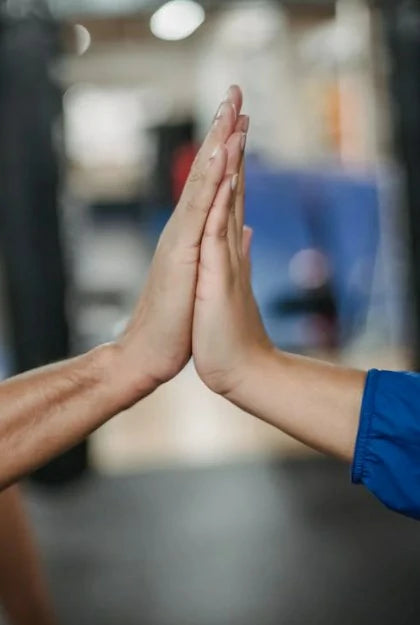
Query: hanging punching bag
30	243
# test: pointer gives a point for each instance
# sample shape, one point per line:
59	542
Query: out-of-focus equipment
403	29
30	242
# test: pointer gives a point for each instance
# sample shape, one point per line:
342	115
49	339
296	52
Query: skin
23	591
312	401
198	300
46	411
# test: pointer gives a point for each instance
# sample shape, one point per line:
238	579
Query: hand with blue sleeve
373	422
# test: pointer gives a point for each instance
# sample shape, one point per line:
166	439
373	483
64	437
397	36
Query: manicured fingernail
223	109
229	98
243	141
219	113
234	182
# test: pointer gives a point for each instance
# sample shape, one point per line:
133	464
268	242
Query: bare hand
227	330
158	338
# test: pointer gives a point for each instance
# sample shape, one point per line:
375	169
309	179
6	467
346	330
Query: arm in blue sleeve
387	453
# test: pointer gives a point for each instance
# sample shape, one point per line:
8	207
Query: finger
234	95
242	123
219	133
220	211
215	257
235	147
222	127
240	204
213	177
247	233
217	222
200	203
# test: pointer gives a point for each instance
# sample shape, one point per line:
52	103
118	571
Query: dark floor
250	544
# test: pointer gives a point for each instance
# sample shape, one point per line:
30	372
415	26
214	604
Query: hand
227	329
158	338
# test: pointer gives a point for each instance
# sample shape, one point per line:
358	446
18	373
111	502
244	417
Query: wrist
258	363
125	379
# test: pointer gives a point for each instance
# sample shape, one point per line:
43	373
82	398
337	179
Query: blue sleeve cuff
387	451
364	433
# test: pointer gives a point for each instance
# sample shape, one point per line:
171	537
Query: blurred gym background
184	510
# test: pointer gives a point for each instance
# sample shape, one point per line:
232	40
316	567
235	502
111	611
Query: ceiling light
177	19
83	39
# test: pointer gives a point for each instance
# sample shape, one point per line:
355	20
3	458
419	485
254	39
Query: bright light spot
251	26
177	20
83	39
102	126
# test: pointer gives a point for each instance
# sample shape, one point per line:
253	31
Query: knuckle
199	203
216	233
190	206
196	175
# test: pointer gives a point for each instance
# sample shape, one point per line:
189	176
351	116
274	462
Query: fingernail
243	141
234	182
229	98
223	108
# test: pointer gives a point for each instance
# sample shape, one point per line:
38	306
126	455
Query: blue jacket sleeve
387	452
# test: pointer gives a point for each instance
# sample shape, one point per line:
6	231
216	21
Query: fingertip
226	116
242	125
234	95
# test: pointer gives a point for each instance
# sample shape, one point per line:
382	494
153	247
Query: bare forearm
315	402
45	412
23	592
